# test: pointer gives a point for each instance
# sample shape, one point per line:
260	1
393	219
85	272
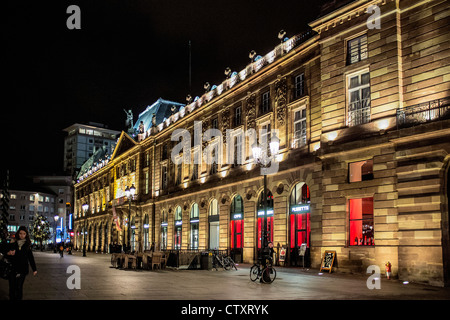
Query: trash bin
206	261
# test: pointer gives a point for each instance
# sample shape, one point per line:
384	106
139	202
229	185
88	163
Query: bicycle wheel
228	263
232	264
254	272
269	274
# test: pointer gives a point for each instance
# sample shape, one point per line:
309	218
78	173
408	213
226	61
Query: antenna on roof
190	72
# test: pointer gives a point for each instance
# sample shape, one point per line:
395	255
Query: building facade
49	196
82	141
360	106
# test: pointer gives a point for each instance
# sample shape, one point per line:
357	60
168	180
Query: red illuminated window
237	230
261	228
361	222
300	229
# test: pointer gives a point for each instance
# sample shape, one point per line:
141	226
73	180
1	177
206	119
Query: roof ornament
281	35
252	55
206	86
129	121
228	72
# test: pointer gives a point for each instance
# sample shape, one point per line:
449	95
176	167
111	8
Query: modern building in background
82	141
361	114
62	187
40	196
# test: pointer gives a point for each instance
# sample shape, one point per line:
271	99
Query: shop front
299	226
264	212
237	229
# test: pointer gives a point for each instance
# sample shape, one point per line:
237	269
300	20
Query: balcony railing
359	112
424	112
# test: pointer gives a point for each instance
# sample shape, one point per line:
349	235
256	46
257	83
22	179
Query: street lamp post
85	209
129	192
261	158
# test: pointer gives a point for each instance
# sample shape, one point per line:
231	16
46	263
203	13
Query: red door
237	239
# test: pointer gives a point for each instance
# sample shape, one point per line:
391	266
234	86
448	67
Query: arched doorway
194	221
133	234
146	234
213	220
299	225
264	215
105	238
178	225
237	228
164	225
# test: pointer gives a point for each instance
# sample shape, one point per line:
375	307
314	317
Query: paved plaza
99	281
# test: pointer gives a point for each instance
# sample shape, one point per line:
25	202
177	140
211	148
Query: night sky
127	54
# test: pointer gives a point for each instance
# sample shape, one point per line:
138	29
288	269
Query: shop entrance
299	225
237	229
264	221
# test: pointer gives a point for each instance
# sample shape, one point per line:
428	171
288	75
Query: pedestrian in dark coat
21	257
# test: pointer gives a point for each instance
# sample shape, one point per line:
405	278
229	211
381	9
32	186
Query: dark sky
126	55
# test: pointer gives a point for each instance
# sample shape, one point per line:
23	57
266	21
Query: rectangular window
361	222
360	171
237	116
194	172
213	167
164	152
179	171
146	182
358	85
163	177
238	152
215	123
299	128
357	49
265	103
299	88
264	137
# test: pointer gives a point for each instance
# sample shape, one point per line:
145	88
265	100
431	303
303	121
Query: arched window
299	221
146	233
213	219
178	228
133	235
194	222
164	225
268	206
237	228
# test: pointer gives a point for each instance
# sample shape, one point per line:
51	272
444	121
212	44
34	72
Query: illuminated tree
40	231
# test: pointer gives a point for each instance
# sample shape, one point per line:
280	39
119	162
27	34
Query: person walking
61	249
21	257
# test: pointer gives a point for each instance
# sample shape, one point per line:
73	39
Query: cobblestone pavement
99	281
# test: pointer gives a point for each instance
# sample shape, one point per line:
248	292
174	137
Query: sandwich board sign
328	260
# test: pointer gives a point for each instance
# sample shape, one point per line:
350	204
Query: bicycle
224	261
228	262
267	273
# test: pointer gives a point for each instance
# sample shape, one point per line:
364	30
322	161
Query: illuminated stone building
360	104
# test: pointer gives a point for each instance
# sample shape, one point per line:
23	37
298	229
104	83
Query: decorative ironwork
438	109
359	112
